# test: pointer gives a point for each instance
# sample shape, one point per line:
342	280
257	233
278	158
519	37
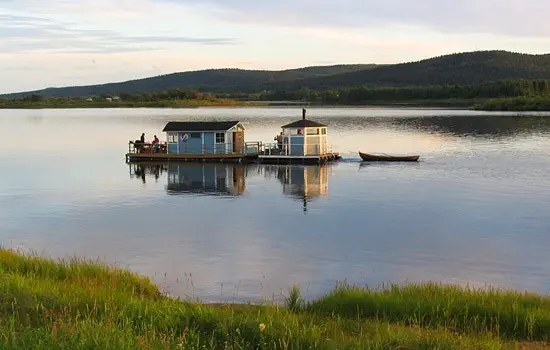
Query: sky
53	43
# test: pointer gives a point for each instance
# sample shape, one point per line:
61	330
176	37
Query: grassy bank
71	103
516	104
47	304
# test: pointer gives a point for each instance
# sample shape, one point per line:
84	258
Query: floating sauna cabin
196	138
305	137
302	141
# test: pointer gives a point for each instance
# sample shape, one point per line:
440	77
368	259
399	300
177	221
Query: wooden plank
184	156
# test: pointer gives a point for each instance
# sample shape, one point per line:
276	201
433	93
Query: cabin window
311	131
172	138
195	135
324	131
220	137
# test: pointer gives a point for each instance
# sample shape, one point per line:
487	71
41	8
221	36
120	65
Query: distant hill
455	69
211	80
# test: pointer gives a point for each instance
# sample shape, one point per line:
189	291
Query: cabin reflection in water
301	182
212	179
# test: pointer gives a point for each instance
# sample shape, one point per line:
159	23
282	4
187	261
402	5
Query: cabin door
238	141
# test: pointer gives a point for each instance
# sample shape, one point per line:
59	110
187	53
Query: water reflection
474	210
139	171
301	182
502	126
210	179
304	183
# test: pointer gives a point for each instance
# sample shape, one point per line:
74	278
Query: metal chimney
303	113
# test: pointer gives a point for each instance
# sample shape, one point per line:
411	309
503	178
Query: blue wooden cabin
225	137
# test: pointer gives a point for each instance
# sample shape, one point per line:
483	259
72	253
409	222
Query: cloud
467	16
26	33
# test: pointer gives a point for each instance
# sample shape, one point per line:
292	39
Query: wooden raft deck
232	158
164	157
145	152
254	152
284	159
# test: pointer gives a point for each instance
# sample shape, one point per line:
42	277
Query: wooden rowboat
387	158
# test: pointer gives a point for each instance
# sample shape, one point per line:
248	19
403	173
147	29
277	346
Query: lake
474	210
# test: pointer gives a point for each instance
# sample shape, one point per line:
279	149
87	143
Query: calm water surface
474	210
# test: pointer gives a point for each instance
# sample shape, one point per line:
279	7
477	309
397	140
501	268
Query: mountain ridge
475	67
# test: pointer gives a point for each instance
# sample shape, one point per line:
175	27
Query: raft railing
249	148
272	149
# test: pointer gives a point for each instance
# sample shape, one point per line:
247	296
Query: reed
503	313
80	304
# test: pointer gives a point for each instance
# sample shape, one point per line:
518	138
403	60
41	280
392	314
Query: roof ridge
200	125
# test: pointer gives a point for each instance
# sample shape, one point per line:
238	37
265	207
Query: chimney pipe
303	113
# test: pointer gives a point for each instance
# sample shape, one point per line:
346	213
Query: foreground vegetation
74	304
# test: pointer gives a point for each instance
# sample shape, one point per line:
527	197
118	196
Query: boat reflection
304	183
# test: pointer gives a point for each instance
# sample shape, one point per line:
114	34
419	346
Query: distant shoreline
520	104
227	103
71	104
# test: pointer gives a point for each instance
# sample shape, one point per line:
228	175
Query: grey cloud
22	20
506	17
24	34
172	39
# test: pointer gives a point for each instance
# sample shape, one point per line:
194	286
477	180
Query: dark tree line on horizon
364	94
349	95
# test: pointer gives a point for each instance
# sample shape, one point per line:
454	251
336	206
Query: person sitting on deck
156	144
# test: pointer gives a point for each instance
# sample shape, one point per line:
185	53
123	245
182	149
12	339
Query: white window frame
216	138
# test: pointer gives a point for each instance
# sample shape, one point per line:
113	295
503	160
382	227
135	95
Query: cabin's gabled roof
200	126
304	123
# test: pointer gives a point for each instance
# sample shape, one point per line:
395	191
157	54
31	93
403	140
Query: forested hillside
459	74
212	80
457	69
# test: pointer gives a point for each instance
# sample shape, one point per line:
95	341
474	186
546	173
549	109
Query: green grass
76	304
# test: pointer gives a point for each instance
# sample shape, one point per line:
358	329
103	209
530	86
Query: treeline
367	94
172	98
502	95
172	94
516	104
